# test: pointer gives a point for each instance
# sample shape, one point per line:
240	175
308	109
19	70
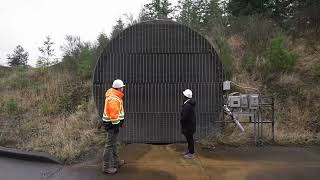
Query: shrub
20	81
12	107
86	63
256	31
227	60
217	37
73	94
248	62
47	108
279	58
316	71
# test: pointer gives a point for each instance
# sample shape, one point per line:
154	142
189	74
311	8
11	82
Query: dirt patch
134	152
268	153
125	173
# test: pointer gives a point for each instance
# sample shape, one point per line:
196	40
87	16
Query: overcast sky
27	22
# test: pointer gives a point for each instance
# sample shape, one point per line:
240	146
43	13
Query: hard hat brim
119	87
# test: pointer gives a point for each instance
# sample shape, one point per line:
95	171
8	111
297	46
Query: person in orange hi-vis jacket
112	120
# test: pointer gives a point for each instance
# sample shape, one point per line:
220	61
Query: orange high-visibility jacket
113	106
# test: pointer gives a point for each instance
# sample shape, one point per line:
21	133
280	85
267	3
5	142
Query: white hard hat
187	93
117	84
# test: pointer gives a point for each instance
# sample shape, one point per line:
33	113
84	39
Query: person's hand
99	125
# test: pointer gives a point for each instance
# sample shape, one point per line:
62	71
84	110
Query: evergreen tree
102	42
117	28
157	9
47	52
18	57
199	14
248	7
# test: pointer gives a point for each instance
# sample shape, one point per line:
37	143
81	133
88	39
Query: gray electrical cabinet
234	101
244	101
254	101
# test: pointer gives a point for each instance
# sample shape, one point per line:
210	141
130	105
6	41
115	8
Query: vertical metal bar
260	121
254	129
272	119
111	68
178	68
159	37
135	39
133	108
208	104
174	115
132	35
102	66
98	71
144	69
136	69
191	40
137	111
156	66
158	107
143	38
167	38
120	73
175	69
118	49
163	107
165	99
154	88
165	70
201	44
181	40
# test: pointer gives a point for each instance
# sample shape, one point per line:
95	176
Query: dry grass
232	136
297	107
289	80
287	136
65	137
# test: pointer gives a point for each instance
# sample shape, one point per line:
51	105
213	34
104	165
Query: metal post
254	129
272	119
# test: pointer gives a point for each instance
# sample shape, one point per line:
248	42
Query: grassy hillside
50	110
4	70
297	107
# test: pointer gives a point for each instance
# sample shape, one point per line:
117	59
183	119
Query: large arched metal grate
158	60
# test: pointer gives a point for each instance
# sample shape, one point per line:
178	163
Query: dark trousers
190	141
110	154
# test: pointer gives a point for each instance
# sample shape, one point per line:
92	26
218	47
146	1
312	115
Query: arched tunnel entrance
157	60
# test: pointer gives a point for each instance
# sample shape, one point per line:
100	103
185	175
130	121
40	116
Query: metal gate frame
157	60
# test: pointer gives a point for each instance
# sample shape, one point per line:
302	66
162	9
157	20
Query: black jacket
188	117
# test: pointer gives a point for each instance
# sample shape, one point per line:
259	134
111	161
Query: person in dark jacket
188	122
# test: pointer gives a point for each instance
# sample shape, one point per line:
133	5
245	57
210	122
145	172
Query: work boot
188	156
185	153
121	163
111	170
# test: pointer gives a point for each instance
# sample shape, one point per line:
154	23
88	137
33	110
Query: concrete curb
28	156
